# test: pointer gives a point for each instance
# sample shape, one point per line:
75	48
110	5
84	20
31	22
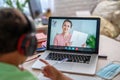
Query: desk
107	46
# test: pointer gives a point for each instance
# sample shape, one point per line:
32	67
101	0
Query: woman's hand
52	73
84	45
68	43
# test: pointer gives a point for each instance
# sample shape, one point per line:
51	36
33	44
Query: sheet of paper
78	38
38	65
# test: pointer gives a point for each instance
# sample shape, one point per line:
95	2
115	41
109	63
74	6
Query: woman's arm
55	40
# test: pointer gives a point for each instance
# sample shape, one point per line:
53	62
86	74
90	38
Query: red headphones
27	43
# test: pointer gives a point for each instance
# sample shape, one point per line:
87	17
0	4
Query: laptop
75	57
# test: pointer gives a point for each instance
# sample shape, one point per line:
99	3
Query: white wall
69	7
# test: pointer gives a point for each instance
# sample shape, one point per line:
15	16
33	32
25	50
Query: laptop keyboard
70	57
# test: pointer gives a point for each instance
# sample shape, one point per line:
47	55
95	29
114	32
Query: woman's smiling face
66	27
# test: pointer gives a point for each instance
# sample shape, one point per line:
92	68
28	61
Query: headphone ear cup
27	44
31	45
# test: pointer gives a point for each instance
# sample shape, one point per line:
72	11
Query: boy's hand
52	73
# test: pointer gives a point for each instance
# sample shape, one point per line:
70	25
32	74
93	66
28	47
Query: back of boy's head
13	24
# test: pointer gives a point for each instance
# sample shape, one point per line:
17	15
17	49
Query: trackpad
63	66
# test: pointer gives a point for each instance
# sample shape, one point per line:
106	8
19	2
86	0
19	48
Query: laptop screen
77	34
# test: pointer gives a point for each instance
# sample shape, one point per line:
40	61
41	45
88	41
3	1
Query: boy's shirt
10	72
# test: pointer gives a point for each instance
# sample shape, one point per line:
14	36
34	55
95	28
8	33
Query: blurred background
41	10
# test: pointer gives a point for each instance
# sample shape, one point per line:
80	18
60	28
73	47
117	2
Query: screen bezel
81	18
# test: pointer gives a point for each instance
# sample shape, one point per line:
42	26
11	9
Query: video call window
79	34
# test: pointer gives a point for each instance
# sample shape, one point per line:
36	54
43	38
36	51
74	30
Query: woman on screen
63	39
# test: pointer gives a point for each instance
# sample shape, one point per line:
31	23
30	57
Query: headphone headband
30	24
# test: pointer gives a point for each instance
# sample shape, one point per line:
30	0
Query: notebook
62	51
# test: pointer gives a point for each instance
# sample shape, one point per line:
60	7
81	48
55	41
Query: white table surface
108	46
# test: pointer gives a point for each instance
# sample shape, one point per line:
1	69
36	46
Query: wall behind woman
69	7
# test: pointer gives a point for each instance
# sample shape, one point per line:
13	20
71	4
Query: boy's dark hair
13	24
67	20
